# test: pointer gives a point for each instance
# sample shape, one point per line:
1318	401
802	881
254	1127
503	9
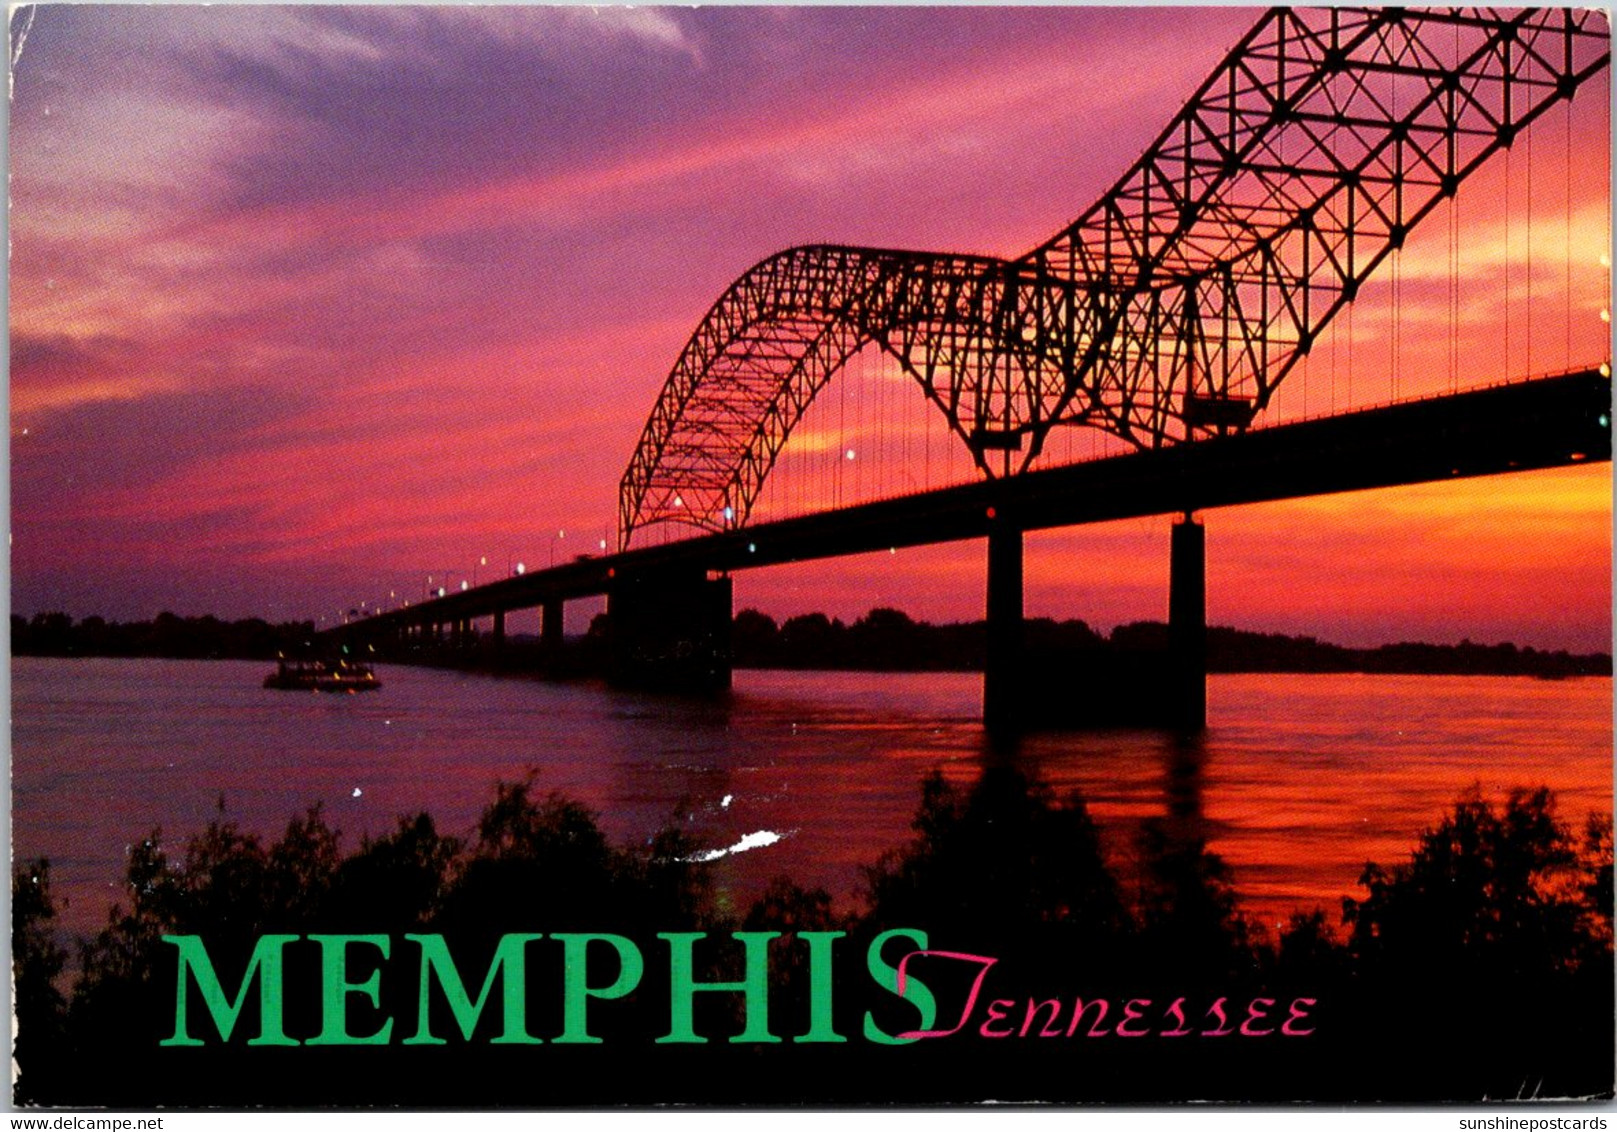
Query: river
1298	782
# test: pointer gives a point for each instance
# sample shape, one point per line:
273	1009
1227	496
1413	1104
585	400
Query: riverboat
322	676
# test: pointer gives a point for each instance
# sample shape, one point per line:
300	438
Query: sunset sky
310	303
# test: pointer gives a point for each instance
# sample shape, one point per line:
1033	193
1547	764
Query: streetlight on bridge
437	583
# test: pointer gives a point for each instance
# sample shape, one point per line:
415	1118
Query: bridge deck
1544	423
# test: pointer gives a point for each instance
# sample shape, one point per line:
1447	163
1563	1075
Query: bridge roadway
1541	423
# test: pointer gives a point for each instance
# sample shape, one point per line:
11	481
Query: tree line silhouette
166	635
1478	969
889	639
884	639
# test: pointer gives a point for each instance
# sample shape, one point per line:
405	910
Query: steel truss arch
1172	308
782	330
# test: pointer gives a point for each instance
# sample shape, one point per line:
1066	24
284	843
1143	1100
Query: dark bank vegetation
882	640
166	635
1480	968
889	640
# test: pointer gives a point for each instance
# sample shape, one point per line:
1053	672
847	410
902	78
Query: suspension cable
1528	368
1508	253
1454	265
1567	192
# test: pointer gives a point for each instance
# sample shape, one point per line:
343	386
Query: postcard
836	556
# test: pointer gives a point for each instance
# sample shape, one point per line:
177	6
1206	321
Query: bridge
1164	319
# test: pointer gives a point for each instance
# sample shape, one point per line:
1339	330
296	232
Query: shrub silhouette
1488	893
1189	918
1493	942
1003	854
400	880
1494	931
37	961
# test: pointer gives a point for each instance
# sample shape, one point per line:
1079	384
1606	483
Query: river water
1299	781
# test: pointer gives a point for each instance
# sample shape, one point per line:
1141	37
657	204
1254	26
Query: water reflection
999	870
1182	783
1299	781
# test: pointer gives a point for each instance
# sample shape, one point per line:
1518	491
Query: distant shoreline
888	640
915	671
884	640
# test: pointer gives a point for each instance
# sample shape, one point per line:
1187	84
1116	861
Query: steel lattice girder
1176	304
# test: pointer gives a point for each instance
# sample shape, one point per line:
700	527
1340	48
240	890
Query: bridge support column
670	631
552	635
1003	663
498	636
1187	625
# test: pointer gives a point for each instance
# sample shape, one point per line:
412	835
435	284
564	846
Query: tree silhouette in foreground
1492	943
1495	936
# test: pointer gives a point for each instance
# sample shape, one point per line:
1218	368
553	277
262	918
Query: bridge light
729	513
752	548
1605	420
463	585
990	512
603	544
1605	369
850	453
1605	314
679	501
440	591
522	567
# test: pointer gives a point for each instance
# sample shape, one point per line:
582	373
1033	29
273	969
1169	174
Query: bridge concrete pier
670	631
551	631
1002	664
1187	625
